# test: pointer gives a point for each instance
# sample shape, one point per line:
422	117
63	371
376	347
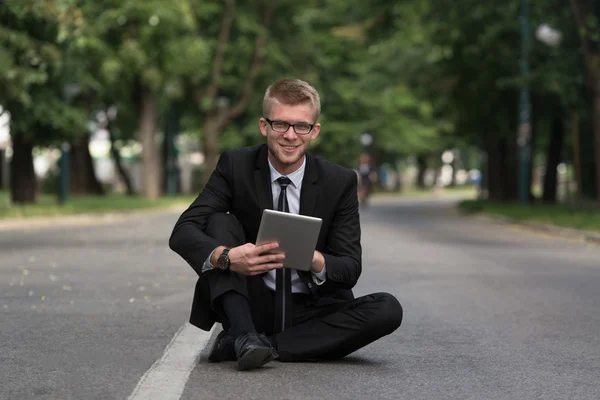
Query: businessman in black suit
270	312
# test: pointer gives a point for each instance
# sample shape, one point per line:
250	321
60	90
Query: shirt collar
296	176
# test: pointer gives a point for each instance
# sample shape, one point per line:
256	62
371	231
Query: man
242	285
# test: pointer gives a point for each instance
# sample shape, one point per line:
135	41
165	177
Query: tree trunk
584	12
588	173
597	131
83	178
164	159
421	170
553	158
502	168
151	175
210	141
77	173
576	149
2	161
114	152
94	186
510	167
495	173
23	183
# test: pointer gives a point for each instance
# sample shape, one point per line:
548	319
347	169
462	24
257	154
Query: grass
48	205
412	191
584	217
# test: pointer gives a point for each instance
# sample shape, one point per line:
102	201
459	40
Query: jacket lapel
262	180
310	193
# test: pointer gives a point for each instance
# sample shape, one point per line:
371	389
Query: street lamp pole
524	132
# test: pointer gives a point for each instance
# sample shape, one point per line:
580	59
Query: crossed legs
322	328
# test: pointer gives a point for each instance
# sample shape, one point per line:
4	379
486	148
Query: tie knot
284	181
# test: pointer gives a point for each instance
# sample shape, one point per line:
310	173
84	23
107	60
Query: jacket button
310	285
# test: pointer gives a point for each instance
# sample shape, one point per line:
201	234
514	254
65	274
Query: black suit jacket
241	185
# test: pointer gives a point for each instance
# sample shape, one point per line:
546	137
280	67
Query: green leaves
414	74
32	71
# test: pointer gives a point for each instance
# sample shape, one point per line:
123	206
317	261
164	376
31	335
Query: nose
290	133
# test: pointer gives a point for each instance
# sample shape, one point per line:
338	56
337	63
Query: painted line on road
167	377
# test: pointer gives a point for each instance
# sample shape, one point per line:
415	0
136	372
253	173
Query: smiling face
287	149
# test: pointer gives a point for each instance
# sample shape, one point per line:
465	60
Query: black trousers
322	327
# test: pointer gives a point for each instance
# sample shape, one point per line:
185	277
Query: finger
262	248
261	269
269	258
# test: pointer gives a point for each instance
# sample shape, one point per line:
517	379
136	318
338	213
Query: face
287	149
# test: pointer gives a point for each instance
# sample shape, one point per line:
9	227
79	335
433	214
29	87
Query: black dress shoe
254	350
223	348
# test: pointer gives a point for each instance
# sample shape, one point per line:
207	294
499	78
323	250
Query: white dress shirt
293	197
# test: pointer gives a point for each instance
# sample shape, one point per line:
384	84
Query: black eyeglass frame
270	122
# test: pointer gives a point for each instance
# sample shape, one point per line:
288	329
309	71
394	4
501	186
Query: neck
285	169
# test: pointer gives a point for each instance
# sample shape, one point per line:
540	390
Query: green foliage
419	76
34	75
326	44
49	206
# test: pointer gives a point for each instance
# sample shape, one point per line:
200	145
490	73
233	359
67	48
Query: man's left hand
318	262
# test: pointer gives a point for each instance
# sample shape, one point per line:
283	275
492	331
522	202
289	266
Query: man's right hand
250	259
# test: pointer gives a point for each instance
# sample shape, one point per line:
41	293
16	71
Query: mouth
288	148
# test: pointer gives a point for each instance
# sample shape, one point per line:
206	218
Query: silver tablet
297	236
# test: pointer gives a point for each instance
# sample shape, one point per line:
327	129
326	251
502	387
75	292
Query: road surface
492	311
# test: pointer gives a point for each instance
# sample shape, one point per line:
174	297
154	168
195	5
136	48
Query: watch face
223	260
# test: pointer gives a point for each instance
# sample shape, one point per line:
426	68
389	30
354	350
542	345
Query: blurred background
137	98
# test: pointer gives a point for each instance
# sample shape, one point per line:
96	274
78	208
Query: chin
284	158
290	159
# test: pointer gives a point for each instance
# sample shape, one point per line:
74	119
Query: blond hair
291	92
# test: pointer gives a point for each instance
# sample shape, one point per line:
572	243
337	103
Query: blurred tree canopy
419	76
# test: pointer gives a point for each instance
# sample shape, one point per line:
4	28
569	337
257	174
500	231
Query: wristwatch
223	260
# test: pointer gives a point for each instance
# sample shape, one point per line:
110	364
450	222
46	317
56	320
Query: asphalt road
492	311
86	310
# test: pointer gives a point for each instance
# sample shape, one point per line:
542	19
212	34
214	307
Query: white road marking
167	377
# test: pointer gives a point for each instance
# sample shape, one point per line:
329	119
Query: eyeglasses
301	128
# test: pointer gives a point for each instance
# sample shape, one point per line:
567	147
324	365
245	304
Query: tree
33	75
146	49
587	14
217	98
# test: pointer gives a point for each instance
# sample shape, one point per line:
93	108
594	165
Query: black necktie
283	276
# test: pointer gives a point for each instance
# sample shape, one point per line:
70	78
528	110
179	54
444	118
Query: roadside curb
570	233
11	224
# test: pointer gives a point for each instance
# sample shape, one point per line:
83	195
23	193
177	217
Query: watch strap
223	260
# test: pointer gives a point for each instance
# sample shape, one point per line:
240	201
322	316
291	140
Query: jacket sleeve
343	251
188	238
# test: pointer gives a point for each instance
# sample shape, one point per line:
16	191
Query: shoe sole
255	358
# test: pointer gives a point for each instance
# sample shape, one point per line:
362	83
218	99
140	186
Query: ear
315	131
262	125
